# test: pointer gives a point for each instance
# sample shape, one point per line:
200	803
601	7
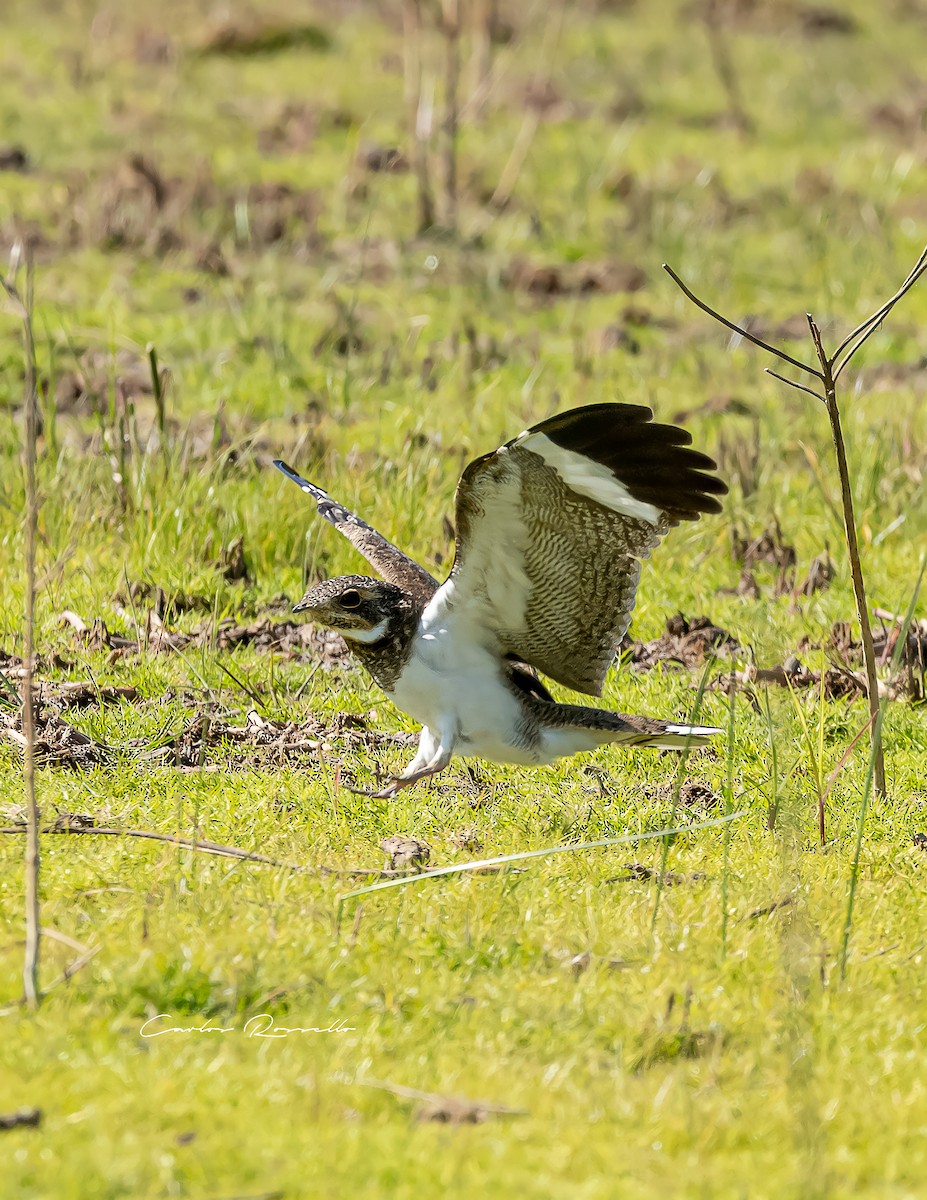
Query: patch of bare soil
376	158
163	603
887	376
21	1118
911	675
777	16
905	119
291	639
261	743
57	744
693	794
684	643
14	667
448	1110
138	207
845	678
572	279
99	376
252	35
772	330
467	840
837	683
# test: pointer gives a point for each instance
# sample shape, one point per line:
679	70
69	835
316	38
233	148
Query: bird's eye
350	599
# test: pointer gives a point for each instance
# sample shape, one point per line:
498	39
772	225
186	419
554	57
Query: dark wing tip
294	476
653	461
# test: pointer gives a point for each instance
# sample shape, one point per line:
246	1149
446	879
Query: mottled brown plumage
551	531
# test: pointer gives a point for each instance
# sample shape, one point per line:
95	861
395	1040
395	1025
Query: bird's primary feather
552	526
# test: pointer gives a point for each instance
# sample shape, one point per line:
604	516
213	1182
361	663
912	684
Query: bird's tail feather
570	724
681	737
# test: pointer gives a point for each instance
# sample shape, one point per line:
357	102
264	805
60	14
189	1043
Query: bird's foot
396	783
393	787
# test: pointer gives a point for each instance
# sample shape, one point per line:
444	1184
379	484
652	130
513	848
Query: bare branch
738	328
869	326
819	348
791	382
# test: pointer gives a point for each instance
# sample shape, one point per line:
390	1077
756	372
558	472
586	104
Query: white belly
454	685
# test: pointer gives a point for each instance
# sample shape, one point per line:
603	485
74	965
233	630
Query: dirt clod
405	853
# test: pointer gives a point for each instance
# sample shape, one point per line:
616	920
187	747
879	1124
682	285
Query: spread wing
551	529
388	560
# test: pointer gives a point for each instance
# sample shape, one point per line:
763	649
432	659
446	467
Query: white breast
454	680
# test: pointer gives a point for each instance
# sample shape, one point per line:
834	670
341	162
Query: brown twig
799	387
33	929
830	368
206	847
738	328
719	46
451	27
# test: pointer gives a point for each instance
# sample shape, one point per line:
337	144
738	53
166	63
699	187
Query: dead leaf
688	643
766	909
232	564
820	574
14	158
31	1117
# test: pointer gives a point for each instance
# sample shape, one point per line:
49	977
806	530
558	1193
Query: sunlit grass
691	1038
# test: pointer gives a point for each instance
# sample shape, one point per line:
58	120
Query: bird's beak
302	606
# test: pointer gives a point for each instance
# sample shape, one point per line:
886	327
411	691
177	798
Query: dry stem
33	929
829	370
451	26
418	111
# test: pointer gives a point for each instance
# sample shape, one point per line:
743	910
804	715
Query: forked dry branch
828	371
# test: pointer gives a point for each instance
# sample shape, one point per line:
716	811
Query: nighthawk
550	531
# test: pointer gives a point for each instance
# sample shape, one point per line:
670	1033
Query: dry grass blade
484	863
452	1110
33	929
69	824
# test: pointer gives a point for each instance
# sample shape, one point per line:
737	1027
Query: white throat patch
367	636
589	478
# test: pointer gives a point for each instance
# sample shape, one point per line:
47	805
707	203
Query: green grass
699	1050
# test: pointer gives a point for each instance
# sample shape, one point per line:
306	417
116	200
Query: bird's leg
433	755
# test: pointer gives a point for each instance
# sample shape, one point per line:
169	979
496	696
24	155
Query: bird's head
362	610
